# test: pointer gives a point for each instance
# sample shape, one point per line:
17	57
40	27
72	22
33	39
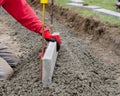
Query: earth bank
91	30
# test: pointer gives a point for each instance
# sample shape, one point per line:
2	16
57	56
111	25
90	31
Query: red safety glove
52	38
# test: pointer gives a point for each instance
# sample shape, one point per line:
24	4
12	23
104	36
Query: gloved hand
52	38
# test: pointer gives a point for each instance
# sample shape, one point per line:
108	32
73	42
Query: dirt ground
79	70
93	32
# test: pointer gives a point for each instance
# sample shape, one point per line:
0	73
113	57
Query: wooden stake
51	25
43	42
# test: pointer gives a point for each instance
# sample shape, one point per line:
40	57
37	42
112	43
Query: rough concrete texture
108	12
77	1
82	6
78	72
49	61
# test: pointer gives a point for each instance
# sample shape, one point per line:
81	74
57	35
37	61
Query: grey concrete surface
81	6
77	1
49	61
108	12
75	4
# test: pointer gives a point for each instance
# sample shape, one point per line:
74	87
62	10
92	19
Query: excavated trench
78	71
102	38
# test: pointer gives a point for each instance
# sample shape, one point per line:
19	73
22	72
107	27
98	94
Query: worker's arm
24	14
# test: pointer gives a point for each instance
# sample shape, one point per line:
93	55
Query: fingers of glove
54	40
57	38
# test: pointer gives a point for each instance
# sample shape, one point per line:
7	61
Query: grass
61	2
107	4
109	20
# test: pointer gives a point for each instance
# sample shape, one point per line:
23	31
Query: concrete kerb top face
108	12
92	7
75	4
82	6
77	1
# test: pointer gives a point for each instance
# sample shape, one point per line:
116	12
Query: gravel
78	72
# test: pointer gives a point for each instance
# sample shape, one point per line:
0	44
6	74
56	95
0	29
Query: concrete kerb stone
82	6
77	1
75	4
92	7
49	61
96	9
108	12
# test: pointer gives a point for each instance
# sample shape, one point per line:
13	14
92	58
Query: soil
79	70
93	32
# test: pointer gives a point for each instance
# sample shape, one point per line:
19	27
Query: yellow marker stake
43	2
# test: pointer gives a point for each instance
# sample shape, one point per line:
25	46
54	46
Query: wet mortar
78	71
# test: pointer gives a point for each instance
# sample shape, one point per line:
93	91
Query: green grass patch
109	20
61	2
107	4
100	17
